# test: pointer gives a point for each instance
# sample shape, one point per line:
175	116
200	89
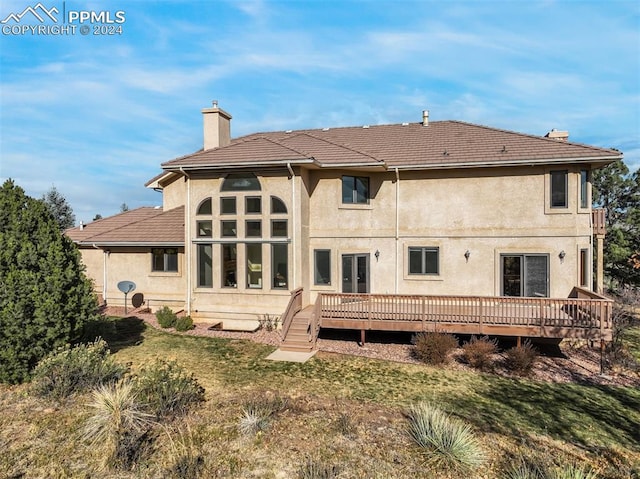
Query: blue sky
95	116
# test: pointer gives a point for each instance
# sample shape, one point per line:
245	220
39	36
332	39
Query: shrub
433	348
117	424
521	359
478	352
447	442
258	413
166	318
166	389
71	370
184	323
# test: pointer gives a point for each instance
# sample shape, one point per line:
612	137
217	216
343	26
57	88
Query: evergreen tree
60	209
618	191
45	297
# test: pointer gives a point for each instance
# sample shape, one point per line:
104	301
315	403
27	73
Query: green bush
166	389
521	359
433	348
166	318
184	323
71	370
478	352
448	443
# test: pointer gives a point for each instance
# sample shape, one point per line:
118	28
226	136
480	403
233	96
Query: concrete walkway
290	356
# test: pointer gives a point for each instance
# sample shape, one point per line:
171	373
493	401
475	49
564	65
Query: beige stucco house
421	208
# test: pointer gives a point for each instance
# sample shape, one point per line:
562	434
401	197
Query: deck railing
293	308
548	314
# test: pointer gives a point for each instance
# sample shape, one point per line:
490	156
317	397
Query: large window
164	259
254	265
241	182
279	265
322	266
355	190
559	187
525	275
229	265
228	206
205	264
424	260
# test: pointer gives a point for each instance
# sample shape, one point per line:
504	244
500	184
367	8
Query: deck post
519	341
602	350
362	337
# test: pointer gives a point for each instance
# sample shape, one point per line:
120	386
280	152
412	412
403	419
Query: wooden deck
585	315
587	318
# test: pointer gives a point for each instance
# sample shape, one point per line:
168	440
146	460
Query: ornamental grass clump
479	352
117	424
258	413
433	348
448	443
572	471
75	369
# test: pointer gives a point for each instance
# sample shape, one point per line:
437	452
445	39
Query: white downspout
105	254
397	227
294	228
187	242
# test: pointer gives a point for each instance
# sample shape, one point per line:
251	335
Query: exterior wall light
377	254
562	255
466	255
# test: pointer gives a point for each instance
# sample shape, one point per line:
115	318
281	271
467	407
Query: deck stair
298	337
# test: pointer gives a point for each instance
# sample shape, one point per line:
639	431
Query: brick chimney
558	135
217	126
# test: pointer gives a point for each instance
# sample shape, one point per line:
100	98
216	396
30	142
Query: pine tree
60	209
45	297
618	191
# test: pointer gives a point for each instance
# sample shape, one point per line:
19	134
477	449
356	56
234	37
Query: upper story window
204	208
355	190
241	182
277	206
584	188
559	188
164	259
228	205
253	205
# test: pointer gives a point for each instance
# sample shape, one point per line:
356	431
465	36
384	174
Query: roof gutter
244	164
111	244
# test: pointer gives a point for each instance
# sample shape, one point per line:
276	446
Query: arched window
277	205
204	208
241	182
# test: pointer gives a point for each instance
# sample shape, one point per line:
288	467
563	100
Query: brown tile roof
441	144
141	226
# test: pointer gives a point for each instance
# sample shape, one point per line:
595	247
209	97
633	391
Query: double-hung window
355	190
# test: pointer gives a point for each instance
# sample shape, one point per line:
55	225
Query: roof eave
107	244
244	164
493	164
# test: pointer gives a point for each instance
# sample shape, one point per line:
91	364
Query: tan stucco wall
488	212
134	264
174	194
